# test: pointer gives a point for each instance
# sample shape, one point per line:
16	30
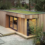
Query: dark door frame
28	26
13	23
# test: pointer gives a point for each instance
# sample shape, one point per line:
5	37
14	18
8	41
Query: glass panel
11	22
32	22
15	23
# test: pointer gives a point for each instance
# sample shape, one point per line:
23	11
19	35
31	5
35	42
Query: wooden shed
19	21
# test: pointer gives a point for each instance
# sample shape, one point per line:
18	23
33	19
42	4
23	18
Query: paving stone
1	41
16	40
6	31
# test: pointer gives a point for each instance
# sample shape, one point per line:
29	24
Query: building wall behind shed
2	18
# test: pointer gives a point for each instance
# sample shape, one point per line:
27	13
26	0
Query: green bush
16	5
19	7
1	4
6	5
3	7
44	33
26	6
37	31
38	7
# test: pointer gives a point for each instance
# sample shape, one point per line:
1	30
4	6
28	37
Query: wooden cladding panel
2	18
22	15
28	16
19	24
22	29
15	14
25	26
22	26
35	16
7	21
39	20
42	20
31	16
44	23
11	14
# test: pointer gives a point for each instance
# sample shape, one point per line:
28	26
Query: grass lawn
24	12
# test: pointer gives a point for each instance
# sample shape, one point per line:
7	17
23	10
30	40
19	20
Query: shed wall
7	21
22	26
22	22
41	21
2	18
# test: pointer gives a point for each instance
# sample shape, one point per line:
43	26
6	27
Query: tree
5	4
40	6
19	3
29	4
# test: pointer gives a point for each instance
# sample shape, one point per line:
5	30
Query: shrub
6	5
1	4
38	7
19	7
26	6
37	31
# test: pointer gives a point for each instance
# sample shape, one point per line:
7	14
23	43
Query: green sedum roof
24	12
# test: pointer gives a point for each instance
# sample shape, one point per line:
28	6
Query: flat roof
25	12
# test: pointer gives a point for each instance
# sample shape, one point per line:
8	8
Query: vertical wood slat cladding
15	14
7	21
25	26
44	23
31	16
22	26
2	18
42	20
19	24
34	16
39	20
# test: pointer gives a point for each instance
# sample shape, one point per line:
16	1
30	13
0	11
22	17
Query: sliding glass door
13	22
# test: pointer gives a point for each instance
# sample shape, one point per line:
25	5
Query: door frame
13	23
28	25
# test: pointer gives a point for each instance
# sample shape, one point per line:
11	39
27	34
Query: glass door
11	22
15	23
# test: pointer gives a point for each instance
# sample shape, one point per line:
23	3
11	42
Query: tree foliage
5	4
40	5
